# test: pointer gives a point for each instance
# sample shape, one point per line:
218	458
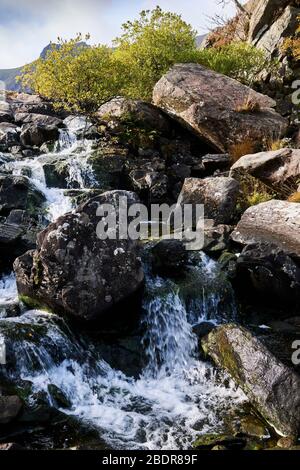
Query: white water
176	397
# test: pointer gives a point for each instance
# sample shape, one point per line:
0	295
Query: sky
27	26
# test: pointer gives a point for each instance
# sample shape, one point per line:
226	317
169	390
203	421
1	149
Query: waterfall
175	398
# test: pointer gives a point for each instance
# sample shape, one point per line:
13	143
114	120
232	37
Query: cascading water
175	398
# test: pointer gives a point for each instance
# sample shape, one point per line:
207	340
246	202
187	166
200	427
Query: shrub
252	191
249	106
238	60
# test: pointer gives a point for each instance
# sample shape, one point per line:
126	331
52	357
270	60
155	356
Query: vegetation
295	197
239	149
81	78
292	45
253	192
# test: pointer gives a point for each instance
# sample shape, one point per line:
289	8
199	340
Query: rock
10	407
269	274
213	162
169	257
286	442
81	126
141	113
262	17
152	186
191	94
11	446
108	163
218	195
216	237
9	135
56	170
37	119
5	116
16	192
285	26
36	135
211	441
252	426
271	387
273	222
75	273
277	167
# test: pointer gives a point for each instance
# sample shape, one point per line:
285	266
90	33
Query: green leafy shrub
238	60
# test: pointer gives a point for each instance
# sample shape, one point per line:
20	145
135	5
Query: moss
34	303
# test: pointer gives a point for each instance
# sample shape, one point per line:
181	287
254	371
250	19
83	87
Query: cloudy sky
26	26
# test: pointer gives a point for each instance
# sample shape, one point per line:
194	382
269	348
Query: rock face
73	272
271	386
145	114
218	195
285	26
210	103
278	166
263	15
276	222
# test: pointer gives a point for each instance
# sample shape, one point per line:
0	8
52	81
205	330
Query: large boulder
74	272
16	192
275	167
217	194
10	407
213	106
272	222
271	386
144	114
36	134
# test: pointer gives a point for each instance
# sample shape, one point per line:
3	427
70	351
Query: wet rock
276	167
107	163
36	134
75	273
169	257
10	407
216	237
271	386
213	162
286	442
218	195
211	441
144	114
191	94
16	192
273	222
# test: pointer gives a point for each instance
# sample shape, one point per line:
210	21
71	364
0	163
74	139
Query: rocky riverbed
117	344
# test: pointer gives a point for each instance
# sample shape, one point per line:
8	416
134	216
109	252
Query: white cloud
23	37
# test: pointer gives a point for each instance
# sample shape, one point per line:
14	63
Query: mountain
200	39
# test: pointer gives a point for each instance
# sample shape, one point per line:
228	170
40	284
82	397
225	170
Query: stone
144	114
36	134
275	167
218	195
262	17
10	407
209	104
273	222
272	388
37	119
75	273
16	192
169	257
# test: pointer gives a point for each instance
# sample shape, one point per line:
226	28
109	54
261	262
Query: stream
176	396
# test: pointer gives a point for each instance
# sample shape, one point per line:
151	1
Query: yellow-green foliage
238	60
253	191
82	78
74	76
292	45
148	48
295	197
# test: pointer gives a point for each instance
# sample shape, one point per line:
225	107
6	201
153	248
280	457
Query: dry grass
295	197
249	106
238	150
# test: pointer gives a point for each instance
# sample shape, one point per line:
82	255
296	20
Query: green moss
34	303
